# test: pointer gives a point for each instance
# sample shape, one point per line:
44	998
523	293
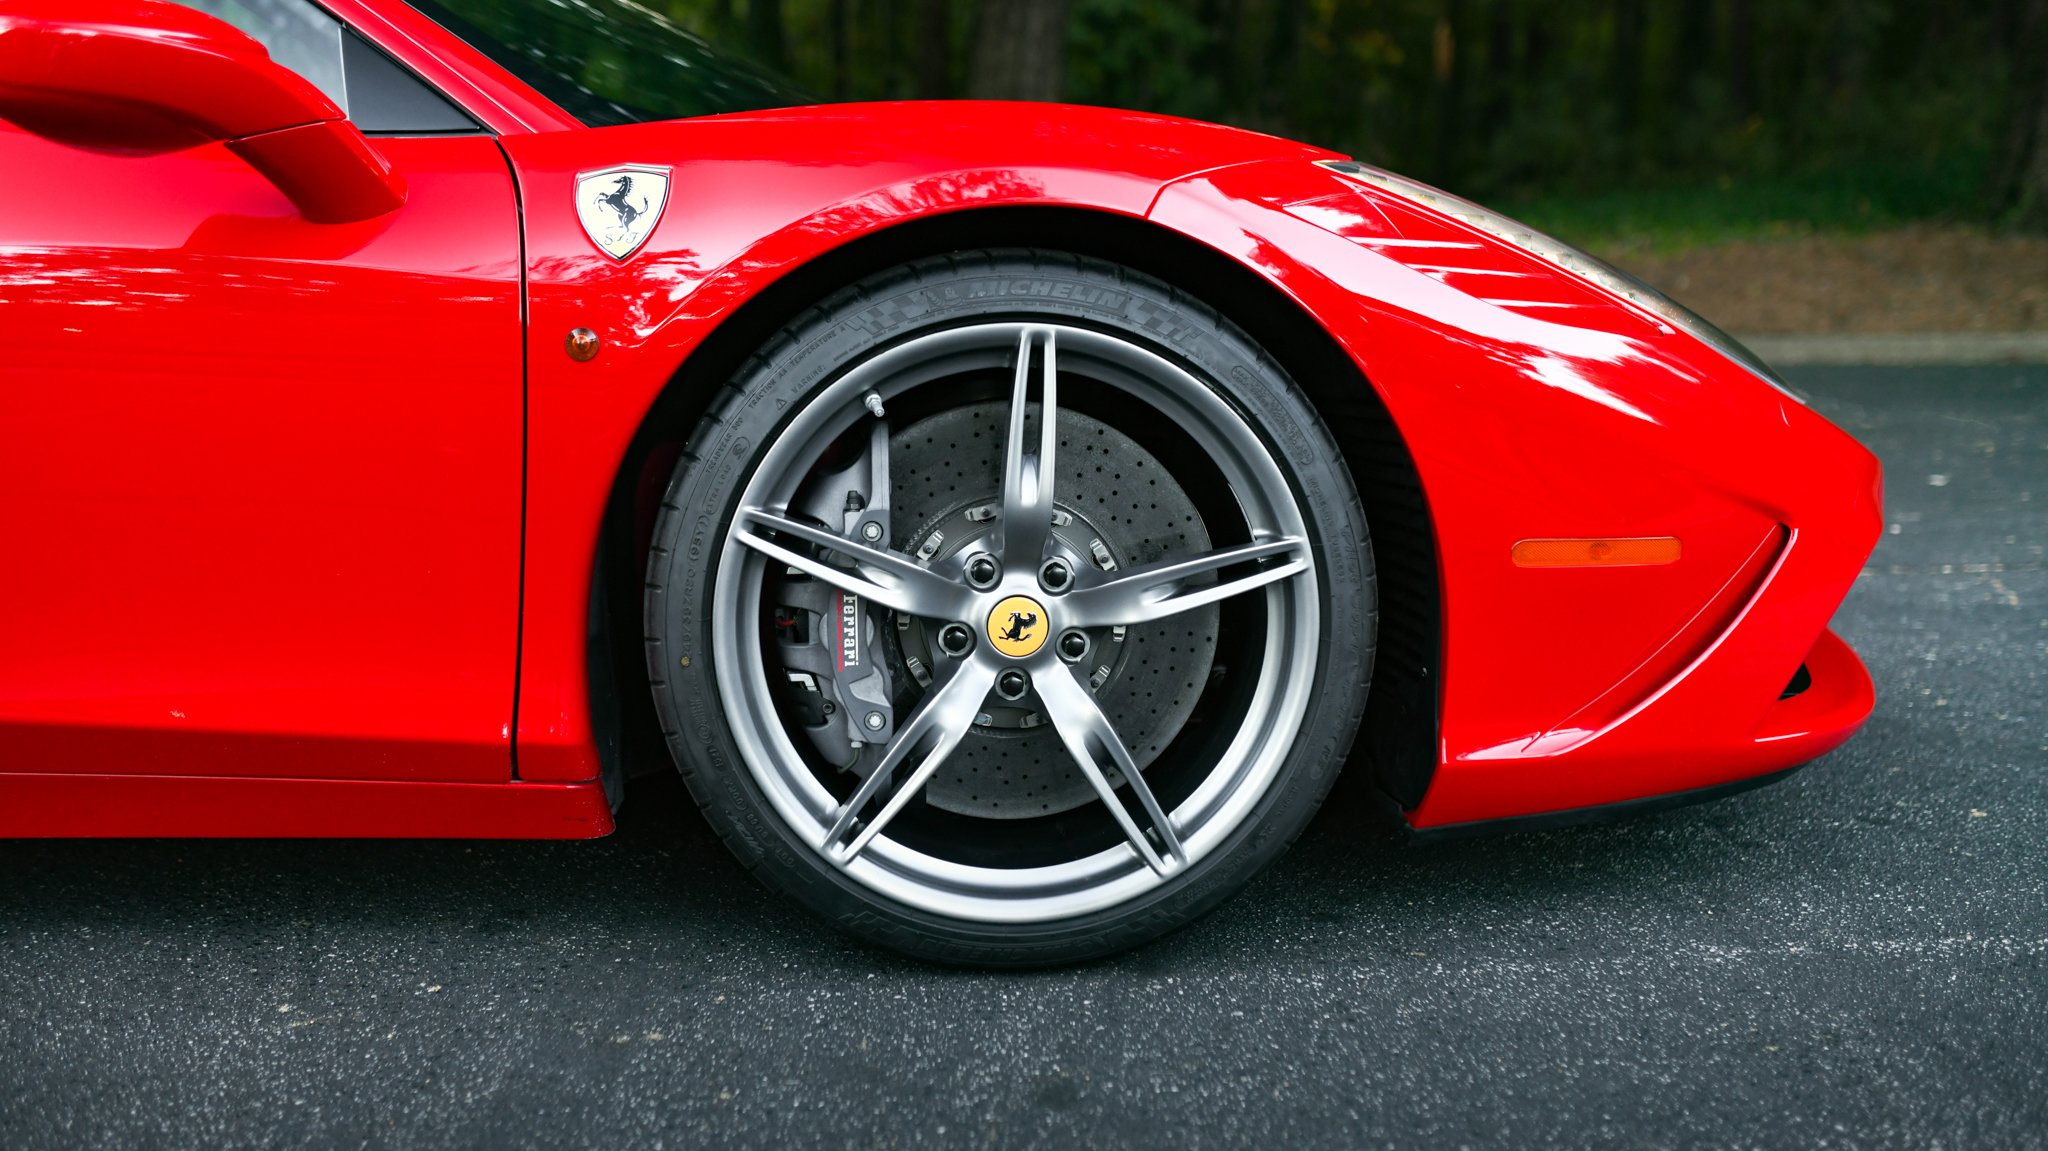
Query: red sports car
1012	515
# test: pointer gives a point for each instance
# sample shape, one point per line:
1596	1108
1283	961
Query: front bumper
1796	730
1725	717
1536	408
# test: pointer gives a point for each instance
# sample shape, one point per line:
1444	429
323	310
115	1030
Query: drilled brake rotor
946	472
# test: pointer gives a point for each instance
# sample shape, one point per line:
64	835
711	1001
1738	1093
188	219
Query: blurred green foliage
1666	218
1596	116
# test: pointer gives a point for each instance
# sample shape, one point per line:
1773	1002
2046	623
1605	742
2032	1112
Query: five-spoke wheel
1014	624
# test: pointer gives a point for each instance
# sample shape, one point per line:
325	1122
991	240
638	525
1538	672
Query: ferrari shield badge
619	206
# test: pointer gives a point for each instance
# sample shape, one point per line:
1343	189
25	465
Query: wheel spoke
938	724
1088	734
908	821
1028	476
892	580
1156	591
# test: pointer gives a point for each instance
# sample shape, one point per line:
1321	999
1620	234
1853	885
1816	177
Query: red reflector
1596	553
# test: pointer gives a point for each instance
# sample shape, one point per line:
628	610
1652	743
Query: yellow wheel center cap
1017	626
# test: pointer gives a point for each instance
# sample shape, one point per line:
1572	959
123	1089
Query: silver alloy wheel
853	835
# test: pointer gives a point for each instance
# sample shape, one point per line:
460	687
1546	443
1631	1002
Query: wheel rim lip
1243	773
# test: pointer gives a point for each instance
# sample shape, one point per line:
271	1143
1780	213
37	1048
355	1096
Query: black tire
799	362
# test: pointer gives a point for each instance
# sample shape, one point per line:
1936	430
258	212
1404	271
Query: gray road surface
1853	958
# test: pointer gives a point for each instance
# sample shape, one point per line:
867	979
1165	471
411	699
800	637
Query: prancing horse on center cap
1014	626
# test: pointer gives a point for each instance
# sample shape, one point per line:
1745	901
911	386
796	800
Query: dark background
1839	112
1786	167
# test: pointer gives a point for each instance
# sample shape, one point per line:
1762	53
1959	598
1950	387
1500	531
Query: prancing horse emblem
1021	623
619	206
1013	626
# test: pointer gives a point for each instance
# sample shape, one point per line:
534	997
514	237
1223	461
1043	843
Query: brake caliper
830	640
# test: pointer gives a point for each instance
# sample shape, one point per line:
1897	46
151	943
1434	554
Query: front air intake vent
1801	680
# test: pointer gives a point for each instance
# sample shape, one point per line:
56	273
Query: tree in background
1020	50
934	49
1847	109
2020	180
764	33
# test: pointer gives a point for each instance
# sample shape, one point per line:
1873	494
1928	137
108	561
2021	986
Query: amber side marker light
1596	553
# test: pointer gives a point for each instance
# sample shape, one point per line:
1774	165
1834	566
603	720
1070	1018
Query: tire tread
993	948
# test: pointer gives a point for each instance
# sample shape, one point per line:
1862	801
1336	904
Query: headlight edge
1573	262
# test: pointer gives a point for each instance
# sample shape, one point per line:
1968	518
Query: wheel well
1400	736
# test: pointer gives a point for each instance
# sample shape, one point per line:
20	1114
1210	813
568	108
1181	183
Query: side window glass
381	97
297	34
386	100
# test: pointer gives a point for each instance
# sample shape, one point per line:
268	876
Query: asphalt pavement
1855	957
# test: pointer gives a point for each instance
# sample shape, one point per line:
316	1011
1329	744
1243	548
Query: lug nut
1012	684
1055	575
956	639
1073	644
875	721
983	571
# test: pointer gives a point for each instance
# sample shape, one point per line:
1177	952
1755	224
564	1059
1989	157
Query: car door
259	476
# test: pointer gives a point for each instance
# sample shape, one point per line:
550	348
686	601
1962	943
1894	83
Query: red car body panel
263	474
274	487
140	806
1523	428
752	198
